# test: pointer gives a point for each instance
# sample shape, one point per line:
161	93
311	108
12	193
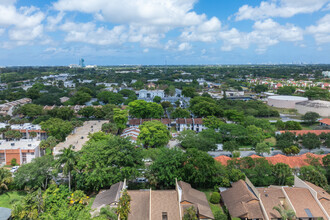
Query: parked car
14	169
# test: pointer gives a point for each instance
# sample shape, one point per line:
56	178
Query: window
2	158
24	157
164	216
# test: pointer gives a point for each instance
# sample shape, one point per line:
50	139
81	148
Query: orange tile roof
292	161
325	121
301	132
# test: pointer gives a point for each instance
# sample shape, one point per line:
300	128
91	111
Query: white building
24	151
150	94
326	73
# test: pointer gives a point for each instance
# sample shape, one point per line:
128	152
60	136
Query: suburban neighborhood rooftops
242	202
302	132
271	197
140	205
292	161
164	201
322	195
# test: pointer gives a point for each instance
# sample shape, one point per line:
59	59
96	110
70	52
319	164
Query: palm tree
67	159
5	179
286	214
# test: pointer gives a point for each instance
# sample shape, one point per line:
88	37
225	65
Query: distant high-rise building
82	62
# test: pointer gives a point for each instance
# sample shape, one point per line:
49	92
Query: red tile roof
325	121
301	132
292	161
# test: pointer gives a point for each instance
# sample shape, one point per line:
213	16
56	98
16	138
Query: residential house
308	201
325	122
132	133
24	151
157	204
195	124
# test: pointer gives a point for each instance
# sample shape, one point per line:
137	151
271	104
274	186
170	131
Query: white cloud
89	33
321	30
52	21
145	21
184	46
279	8
265	33
23	24
2	30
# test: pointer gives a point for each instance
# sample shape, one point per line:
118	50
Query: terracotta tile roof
325	121
197	198
223	159
166	121
302	199
241	201
301	132
198	121
254	156
292	161
180	121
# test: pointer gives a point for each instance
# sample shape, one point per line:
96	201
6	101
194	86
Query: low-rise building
156	204
306	200
24	151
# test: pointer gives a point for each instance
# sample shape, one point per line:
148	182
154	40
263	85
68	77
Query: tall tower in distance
82	62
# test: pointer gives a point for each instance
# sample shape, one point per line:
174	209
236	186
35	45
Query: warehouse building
284	101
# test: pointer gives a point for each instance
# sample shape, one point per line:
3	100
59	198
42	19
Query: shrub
236	154
218	215
13	162
215	198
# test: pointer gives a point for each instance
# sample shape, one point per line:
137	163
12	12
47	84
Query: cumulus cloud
279	8
265	34
146	21
184	46
23	24
321	30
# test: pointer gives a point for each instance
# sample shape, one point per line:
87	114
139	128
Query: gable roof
140	205
302	132
271	197
197	198
164	201
241	201
322	196
302	201
292	161
107	197
325	121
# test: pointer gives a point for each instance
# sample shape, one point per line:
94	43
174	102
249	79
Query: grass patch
7	200
214	207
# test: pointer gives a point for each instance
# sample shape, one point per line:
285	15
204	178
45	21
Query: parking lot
80	136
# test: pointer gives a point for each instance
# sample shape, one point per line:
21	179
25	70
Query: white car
14	169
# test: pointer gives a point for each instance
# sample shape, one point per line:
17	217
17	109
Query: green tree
286	90
110	128
260	88
154	134
204	109
190	214
180	113
286	214
282	173
311	141
313	175
57	128
13	134
108	213
120	117
189	92
80	98
166	104
230	146
157	99
124	205
262	148
105	160
310	117
66	161
31	110
215	198
254	135
49	144
64	113
5	180
212	122
143	109
87	111
35	174
234	115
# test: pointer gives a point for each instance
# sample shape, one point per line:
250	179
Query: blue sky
116	32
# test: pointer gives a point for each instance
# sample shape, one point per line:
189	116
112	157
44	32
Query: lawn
214	207
7	200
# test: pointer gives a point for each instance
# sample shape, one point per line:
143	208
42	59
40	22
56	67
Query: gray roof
315	104
107	197
5	213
